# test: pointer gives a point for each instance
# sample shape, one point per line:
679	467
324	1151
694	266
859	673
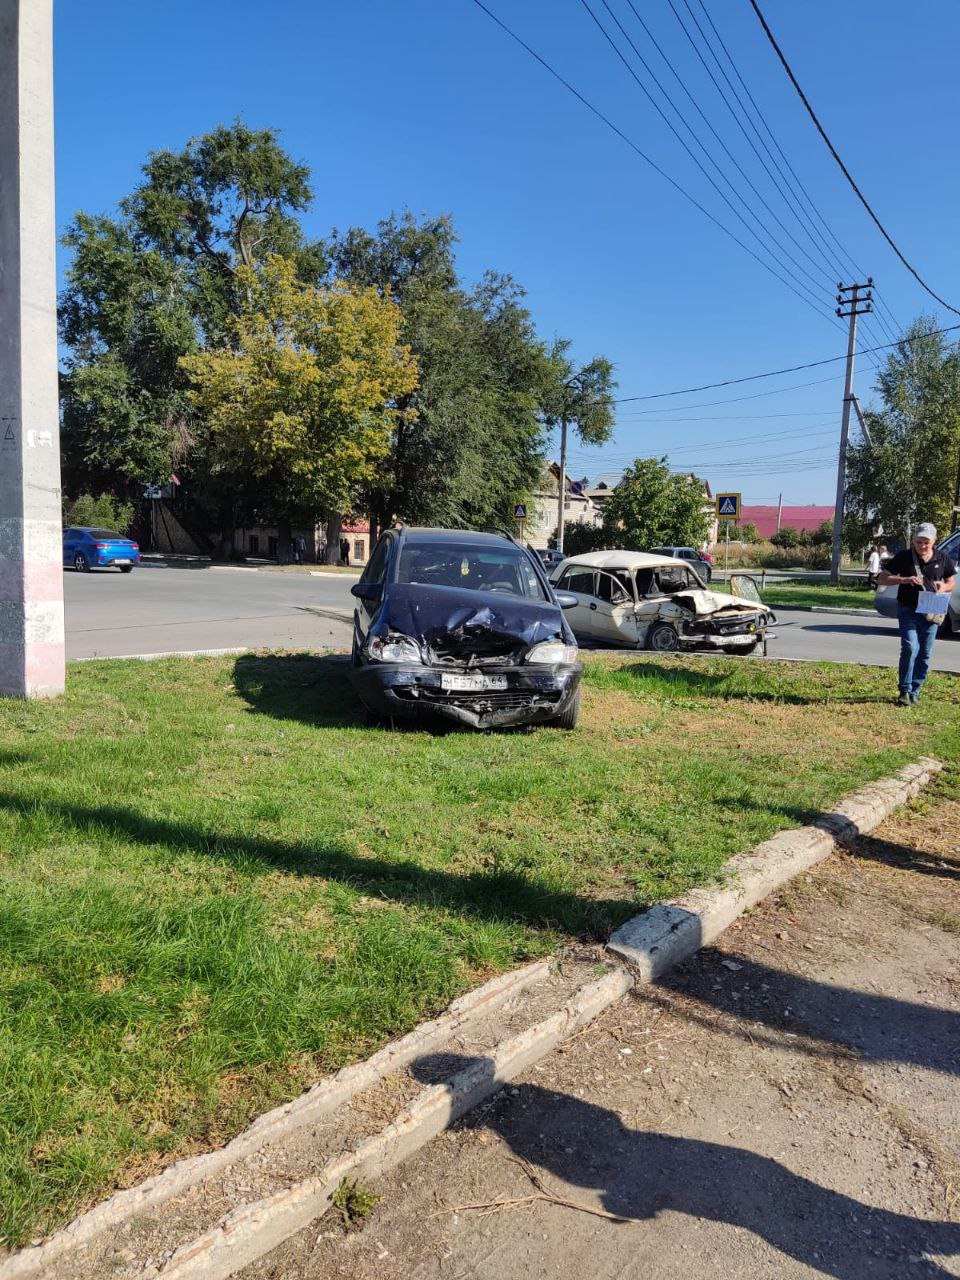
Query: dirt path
786	1105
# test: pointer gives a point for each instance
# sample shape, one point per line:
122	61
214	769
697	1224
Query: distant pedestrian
344	551
884	553
299	548
874	565
921	568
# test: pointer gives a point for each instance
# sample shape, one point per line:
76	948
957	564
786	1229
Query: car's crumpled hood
445	618
705	602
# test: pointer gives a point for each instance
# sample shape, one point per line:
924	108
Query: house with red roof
769	519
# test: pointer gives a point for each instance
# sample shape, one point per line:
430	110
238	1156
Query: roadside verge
411	1091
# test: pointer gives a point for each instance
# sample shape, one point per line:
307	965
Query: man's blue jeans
917	637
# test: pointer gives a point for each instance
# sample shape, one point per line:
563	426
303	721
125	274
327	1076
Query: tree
469	440
653	507
908	471
787	538
157	283
126	321
300	401
581	398
822	536
103	512
749	532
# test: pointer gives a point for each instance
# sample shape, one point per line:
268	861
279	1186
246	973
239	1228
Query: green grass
218	884
812	594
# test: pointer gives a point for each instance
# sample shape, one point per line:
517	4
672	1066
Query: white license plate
474	682
121	562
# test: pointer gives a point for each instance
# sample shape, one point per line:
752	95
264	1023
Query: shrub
103	512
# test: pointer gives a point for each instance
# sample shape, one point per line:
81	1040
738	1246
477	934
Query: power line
843	168
731	157
665	118
757	395
642	154
774	373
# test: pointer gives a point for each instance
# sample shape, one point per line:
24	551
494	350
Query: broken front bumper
533	694
719	633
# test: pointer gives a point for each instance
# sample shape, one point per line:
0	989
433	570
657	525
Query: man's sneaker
914	699
905	700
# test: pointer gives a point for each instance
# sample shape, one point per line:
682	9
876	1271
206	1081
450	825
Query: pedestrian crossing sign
728	506
519	511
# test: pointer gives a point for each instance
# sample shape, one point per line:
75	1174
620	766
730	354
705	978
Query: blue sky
427	105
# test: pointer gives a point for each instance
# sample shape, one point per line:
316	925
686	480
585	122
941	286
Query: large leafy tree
300	401
907	471
126	320
156	283
652	506
468	441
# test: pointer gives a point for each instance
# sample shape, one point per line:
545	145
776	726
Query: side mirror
369	591
565	600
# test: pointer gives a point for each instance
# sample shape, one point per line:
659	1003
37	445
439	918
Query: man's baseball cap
926	531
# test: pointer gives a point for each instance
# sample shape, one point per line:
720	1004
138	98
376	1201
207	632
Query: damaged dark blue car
465	626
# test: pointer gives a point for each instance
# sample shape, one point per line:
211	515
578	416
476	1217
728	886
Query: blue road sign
728	506
519	511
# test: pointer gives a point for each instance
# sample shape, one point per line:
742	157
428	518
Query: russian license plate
117	561
471	682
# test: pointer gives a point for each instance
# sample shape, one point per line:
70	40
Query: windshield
451	564
105	534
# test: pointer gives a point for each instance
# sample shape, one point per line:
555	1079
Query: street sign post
727	506
520	515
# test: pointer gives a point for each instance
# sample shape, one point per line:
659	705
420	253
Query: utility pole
563	480
858	303
31	537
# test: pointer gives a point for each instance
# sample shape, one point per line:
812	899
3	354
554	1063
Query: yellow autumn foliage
302	400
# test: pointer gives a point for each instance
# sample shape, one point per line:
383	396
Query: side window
674	580
646	583
614	587
579	579
376	570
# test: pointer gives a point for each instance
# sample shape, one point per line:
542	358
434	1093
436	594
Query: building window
254	544
273	546
358	555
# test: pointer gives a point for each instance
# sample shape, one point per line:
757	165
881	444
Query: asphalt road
158	609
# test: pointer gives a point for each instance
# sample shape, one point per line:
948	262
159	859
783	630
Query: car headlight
553	651
394	648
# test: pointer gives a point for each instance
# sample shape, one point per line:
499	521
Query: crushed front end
483	660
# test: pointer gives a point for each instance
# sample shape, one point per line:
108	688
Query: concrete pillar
31	564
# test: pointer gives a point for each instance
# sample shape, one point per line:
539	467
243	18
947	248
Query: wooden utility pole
859	303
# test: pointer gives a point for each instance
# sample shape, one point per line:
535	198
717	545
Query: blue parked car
86	549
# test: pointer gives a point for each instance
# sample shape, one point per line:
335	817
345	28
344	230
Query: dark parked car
466	626
86	549
701	561
551	557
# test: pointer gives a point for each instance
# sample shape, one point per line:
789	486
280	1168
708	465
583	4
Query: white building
544	514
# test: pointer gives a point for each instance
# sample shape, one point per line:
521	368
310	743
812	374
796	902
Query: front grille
478	650
486	700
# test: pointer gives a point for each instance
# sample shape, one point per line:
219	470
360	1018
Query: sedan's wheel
126	568
568	718
740	648
81	563
663	638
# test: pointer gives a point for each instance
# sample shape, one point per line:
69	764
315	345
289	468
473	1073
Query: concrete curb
671	932
827	608
274	1125
167	653
650	943
253	1230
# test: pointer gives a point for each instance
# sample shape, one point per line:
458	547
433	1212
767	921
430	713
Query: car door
613	609
375	571
70	537
579	581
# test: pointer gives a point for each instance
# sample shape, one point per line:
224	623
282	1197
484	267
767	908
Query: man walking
921	568
874	565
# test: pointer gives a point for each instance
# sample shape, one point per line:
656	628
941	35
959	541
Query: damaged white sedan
656	602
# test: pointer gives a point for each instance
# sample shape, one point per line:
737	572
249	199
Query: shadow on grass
640	1174
317	691
495	894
